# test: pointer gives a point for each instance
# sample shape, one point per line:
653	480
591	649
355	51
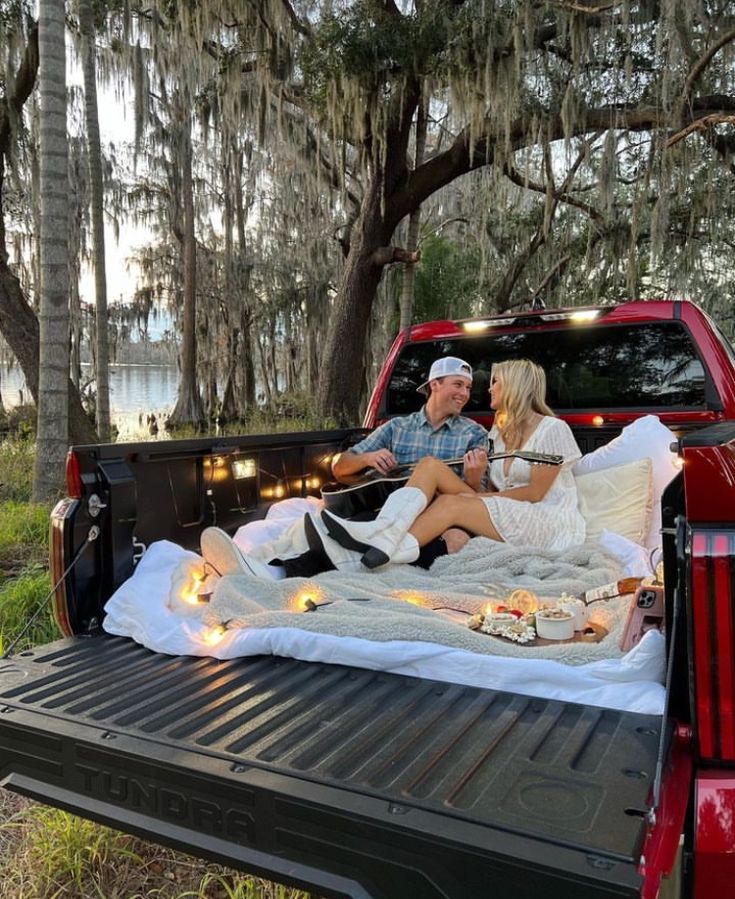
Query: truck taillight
73	476
712	615
60	601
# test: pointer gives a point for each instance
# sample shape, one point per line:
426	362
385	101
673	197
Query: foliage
447	280
50	854
17	456
20	597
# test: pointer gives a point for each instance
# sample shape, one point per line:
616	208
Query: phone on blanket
645	613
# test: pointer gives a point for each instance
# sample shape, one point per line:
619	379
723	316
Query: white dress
555	521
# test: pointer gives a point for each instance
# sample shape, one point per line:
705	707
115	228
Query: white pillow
646	437
635	558
617	499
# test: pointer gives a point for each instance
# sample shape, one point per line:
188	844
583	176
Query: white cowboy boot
225	557
379	539
347	559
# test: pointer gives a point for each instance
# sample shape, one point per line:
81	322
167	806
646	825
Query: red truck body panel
714	871
715	354
710	501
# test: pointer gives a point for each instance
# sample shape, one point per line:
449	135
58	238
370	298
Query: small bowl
578	609
555	624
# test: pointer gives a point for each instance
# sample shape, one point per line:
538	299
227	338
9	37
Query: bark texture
53	377
102	375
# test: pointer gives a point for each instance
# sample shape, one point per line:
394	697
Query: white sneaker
225	557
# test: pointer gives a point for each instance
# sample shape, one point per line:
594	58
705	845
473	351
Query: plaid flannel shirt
411	437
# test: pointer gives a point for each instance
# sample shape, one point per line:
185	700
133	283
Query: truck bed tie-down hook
92	535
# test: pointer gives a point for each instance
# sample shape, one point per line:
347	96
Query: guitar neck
511	454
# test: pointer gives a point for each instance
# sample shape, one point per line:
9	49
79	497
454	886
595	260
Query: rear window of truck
587	368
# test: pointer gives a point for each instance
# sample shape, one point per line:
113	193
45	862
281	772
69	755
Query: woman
529	505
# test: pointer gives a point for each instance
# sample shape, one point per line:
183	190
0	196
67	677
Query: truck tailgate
348	781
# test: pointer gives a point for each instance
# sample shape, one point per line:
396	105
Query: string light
213	635
414	597
308	599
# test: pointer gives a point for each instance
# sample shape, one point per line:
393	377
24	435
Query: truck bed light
244	468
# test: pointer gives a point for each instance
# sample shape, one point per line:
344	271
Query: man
437	429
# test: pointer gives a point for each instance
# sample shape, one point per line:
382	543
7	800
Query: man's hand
455	539
381	460
475	465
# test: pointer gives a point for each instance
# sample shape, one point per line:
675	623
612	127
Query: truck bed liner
262	761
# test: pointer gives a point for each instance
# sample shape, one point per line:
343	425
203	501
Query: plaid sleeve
380	438
478	439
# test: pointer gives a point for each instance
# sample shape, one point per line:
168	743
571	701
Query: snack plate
592	633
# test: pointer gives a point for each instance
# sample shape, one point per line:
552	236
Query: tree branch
702	124
23	84
386	255
462	156
698	68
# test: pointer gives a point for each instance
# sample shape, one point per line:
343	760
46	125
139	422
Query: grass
17	455
48	853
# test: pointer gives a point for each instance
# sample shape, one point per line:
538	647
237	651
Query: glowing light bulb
190	596
279	491
308	599
213	636
598	421
413	596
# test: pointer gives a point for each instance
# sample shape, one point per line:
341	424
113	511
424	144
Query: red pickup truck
279	767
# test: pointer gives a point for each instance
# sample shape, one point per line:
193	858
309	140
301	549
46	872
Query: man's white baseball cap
447	367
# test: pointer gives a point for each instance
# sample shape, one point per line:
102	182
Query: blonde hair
524	391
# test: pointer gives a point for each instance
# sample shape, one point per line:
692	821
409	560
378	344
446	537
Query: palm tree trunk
53	380
102	374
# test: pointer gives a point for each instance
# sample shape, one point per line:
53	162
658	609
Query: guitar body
370	491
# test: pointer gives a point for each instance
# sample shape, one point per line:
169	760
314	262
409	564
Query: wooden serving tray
593	633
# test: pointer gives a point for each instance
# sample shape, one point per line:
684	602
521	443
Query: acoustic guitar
370	490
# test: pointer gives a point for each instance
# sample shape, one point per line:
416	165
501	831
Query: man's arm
374	451
350	462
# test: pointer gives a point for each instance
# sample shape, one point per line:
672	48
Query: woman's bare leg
433	476
448	510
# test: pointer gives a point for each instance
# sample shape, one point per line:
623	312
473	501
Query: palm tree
53	389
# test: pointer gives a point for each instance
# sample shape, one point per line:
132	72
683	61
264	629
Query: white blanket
139	610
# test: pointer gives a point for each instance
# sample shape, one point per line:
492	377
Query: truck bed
303	772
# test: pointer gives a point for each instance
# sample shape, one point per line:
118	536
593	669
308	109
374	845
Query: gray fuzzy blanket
401	602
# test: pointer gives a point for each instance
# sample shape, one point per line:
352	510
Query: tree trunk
21	332
414	224
247	362
244	270
264	372
18	322
102	375
53	393
188	408
340	380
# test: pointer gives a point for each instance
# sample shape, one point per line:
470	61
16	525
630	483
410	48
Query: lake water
135	391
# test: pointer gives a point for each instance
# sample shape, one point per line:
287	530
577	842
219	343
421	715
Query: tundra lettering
201	814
